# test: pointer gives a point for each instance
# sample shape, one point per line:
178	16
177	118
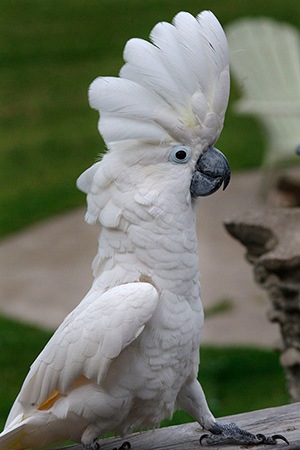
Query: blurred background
50	51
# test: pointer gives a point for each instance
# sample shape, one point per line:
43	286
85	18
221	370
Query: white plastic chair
265	61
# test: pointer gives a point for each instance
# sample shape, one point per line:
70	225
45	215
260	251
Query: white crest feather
168	88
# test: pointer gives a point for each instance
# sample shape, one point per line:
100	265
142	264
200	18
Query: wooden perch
280	420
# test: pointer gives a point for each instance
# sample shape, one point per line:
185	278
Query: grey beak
212	170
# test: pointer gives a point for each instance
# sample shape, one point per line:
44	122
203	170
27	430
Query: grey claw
231	434
125	446
204	436
271	440
279	436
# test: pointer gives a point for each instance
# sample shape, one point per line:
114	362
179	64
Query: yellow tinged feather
15	443
55	395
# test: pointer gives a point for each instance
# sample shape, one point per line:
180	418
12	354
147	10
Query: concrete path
45	270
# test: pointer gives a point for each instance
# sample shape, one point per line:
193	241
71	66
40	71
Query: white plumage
128	355
183	80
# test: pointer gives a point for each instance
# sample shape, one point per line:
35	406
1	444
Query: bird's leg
191	399
232	434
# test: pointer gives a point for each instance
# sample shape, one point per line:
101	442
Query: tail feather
11	438
36	431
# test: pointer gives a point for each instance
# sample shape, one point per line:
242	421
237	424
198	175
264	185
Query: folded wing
86	343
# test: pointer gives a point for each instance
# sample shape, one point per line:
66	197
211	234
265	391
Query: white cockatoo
128	355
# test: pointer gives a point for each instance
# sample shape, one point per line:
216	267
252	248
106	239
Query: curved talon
243	437
204	436
125	446
271	440
279	436
262	438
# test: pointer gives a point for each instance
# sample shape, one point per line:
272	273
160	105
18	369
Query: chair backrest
265	61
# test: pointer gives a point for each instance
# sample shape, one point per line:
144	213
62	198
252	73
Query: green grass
50	51
234	379
19	346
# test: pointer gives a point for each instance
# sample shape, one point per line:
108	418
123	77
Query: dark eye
180	154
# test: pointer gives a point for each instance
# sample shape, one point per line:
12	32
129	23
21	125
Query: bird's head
161	118
181	167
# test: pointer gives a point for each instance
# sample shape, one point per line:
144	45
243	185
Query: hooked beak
212	170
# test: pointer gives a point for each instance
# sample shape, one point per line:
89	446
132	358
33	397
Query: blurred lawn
234	379
50	51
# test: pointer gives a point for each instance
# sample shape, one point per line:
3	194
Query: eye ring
180	154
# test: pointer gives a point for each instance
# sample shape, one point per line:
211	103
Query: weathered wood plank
280	420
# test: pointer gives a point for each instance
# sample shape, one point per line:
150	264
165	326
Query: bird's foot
93	446
96	446
125	446
232	434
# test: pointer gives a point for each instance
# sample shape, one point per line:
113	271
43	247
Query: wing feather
87	342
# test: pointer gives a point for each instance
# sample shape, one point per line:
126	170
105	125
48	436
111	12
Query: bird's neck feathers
137	209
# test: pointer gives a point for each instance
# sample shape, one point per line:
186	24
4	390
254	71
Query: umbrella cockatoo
128	355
